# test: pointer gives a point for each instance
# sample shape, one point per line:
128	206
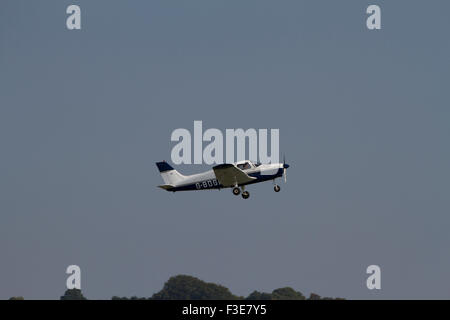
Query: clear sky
364	123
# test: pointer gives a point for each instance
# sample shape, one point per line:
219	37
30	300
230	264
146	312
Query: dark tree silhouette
185	287
73	294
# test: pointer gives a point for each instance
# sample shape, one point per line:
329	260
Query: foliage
286	293
184	287
73	294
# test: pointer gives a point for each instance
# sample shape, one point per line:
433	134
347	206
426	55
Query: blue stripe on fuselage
205	185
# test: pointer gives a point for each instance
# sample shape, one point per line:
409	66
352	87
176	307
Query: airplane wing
229	175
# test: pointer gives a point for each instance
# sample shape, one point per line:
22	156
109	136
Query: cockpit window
244	166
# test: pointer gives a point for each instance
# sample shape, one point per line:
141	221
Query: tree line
185	287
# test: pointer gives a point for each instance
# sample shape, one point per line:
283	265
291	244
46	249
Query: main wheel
276	188
245	194
236	191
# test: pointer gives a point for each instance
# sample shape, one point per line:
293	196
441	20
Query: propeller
285	166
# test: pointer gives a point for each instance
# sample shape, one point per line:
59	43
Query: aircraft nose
285	166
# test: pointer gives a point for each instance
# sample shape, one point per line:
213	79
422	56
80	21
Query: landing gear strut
276	188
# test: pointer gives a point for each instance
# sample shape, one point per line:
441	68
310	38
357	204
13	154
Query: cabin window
244	166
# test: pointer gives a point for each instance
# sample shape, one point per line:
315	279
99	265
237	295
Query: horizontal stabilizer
166	187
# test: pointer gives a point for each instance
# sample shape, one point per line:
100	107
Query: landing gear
237	191
276	188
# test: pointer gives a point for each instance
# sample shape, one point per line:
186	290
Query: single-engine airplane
235	176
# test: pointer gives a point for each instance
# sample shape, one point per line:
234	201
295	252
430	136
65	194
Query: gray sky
363	118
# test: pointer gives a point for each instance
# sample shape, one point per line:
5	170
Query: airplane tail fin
170	176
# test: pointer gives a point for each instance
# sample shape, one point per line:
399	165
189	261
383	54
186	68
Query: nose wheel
245	195
276	188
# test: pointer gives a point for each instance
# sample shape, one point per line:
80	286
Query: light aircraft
236	176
